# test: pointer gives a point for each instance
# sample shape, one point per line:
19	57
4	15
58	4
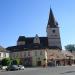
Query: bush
15	62
5	62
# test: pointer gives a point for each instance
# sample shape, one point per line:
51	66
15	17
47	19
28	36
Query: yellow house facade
32	57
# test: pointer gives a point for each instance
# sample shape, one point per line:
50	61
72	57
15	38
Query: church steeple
51	21
53	33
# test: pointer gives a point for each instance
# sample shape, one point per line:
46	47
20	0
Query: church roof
51	21
2	49
30	45
21	38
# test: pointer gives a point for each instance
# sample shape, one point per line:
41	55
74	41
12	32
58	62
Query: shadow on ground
68	72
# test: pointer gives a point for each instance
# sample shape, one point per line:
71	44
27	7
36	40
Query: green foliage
15	62
70	47
6	62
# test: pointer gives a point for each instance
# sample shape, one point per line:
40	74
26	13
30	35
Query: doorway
39	63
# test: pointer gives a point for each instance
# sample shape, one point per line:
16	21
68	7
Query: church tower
53	33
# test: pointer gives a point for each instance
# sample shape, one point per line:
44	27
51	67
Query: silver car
21	67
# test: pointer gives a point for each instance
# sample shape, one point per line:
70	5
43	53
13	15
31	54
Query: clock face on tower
53	31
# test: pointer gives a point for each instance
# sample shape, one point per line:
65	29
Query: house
70	57
3	53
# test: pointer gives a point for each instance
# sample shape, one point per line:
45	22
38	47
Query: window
20	54
29	53
4	55
16	54
35	53
40	52
24	54
0	54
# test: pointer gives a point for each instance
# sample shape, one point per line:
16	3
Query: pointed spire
51	22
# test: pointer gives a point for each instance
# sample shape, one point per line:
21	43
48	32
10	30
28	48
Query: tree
15	62
5	61
70	47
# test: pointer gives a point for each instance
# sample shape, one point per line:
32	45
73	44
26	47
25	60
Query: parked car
21	67
12	68
3	67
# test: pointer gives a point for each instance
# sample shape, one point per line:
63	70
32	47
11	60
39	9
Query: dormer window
36	40
21	40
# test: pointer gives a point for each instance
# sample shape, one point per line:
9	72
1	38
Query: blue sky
30	17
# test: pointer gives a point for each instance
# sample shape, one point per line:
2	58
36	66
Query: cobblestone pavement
61	70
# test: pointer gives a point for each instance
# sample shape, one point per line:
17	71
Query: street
61	70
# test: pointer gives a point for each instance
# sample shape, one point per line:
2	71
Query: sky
29	17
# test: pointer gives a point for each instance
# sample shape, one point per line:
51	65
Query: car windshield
20	65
